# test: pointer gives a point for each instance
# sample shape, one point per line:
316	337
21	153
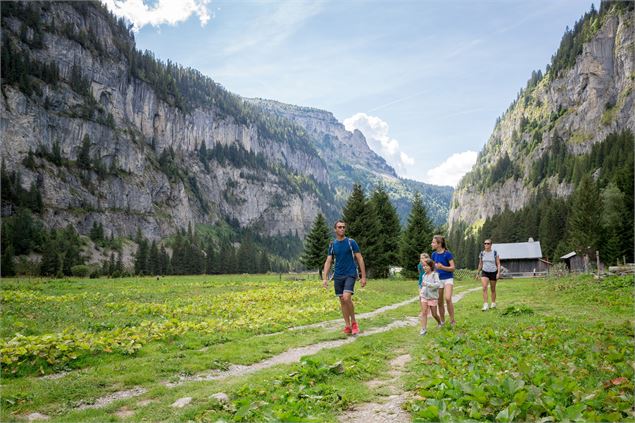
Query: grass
554	349
557	349
100	307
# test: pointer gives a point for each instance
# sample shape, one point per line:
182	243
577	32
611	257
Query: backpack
495	255
332	254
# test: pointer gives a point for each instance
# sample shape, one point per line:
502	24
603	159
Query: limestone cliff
167	146
579	106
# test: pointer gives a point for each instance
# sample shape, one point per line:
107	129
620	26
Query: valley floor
258	348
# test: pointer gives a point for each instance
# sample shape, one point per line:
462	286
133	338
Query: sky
423	80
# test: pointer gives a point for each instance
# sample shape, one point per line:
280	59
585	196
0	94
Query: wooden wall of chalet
575	264
524	265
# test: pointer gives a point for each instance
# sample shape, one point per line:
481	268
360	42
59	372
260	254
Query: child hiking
422	261
429	295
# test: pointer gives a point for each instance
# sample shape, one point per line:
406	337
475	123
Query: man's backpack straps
350	245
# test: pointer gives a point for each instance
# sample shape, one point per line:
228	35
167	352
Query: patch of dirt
37	416
55	376
388	411
104	401
124	413
145	402
181	402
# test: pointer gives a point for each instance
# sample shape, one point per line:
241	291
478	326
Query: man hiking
345	252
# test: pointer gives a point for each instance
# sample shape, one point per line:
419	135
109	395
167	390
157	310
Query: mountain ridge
568	133
167	146
572	106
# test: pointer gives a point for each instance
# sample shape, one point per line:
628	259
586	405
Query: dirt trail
290	356
388	411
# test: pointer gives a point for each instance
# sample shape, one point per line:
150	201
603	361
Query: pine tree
353	213
154	267
389	235
71	247
265	264
8	266
33	200
232	260
141	258
165	261
247	256
178	253
23	231
83	156
50	257
119	269
362	225
56	154
316	245
97	233
198	263
584	220
613	218
210	259
112	265
416	237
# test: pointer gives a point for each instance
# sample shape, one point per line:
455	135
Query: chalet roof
566	256
519	250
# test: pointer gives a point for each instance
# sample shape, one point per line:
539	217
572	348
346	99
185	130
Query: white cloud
168	12
376	132
274	28
450	171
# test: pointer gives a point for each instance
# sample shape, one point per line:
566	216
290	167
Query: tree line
374	224
598	216
193	255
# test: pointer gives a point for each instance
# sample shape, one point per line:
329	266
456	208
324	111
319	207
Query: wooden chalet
575	262
521	258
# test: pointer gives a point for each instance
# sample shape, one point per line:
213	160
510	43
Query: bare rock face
129	128
592	100
146	169
334	143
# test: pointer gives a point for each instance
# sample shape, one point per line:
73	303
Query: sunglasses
341	227
486	243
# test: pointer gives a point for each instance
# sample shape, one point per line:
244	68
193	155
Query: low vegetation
562	356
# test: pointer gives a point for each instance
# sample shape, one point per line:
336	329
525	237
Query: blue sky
423	80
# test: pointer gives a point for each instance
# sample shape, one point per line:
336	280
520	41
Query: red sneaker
347	330
355	329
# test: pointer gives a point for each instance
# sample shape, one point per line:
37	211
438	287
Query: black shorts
344	284
489	275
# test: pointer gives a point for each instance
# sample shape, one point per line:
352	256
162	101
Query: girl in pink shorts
429	295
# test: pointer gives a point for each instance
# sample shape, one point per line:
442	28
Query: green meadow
553	350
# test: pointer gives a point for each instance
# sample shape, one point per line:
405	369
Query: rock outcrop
589	101
260	168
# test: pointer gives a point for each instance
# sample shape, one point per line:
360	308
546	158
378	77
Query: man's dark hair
338	221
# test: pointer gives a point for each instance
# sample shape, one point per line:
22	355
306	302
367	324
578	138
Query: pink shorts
431	303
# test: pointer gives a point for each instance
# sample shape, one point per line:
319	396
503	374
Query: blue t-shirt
443	258
421	273
344	263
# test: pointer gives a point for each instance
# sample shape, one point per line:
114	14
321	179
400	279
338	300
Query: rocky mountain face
349	159
167	147
337	146
579	107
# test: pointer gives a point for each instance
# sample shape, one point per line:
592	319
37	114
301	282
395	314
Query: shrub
80	270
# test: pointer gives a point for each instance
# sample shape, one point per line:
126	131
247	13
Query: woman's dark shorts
344	284
489	275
